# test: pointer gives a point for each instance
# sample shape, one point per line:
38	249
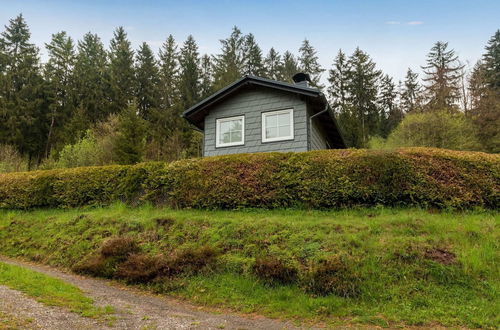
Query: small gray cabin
254	114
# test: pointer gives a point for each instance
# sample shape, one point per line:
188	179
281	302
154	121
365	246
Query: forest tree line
89	104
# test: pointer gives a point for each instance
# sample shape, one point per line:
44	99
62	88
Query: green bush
85	152
320	179
440	129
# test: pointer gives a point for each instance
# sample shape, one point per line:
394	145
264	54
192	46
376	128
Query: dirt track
134	309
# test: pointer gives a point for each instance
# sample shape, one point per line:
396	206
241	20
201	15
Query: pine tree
252	57
289	67
91	82
60	87
121	71
390	113
273	65
308	60
443	74
22	118
491	61
148	80
410	94
206	76
229	63
362	90
129	144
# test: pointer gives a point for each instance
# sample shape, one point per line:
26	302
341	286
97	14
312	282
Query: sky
396	34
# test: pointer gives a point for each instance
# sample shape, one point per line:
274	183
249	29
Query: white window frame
219	144
280	138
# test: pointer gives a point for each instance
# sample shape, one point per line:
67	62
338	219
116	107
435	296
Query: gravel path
134	309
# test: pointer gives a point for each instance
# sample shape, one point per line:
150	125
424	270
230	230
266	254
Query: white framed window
277	125
230	131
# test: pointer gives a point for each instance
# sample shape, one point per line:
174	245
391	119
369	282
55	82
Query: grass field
377	266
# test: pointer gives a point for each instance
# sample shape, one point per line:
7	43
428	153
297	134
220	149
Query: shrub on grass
273	270
97	265
191	261
120	247
334	275
141	268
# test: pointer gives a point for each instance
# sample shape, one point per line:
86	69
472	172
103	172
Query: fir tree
443	75
147	79
362	90
485	108
390	113
308	60
189	75
165	120
91	82
289	67
169	72
273	65
121	71
252	57
477	84
338	79
22	95
206	76
229	63
491	61
189	87
410	94
60	86
129	144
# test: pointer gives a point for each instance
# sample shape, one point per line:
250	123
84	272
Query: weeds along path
134	309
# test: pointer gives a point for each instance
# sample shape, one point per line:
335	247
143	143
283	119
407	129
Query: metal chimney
302	79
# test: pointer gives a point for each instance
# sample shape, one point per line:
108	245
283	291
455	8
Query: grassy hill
382	266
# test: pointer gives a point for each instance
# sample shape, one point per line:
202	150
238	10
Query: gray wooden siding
317	139
251	104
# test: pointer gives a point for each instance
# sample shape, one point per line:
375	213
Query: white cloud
392	22
415	23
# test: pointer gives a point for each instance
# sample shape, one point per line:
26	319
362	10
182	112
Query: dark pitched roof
196	114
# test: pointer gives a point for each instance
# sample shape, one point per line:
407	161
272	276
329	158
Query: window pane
236	125
236	136
271	132
271	121
284	131
225	137
224	127
284	119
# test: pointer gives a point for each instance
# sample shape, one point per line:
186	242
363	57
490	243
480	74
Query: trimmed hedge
424	177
